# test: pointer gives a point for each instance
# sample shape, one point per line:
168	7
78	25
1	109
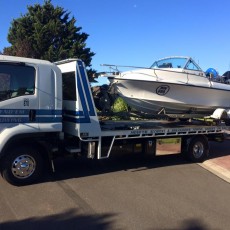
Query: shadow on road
67	168
73	220
219	149
68	221
74	168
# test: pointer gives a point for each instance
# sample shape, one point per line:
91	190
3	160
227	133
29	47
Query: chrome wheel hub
23	166
198	150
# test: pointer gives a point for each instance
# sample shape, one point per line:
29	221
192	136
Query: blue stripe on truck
22	116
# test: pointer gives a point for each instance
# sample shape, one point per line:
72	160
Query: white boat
173	85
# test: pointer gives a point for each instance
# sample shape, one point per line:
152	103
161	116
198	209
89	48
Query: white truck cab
30	96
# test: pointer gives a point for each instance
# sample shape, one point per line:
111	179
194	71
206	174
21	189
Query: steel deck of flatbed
135	129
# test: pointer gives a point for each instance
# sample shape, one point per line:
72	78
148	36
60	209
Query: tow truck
47	110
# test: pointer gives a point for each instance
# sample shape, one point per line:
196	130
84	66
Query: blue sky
137	32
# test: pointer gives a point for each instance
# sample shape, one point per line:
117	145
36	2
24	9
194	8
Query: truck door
18	97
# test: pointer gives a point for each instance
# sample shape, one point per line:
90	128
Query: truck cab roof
22	59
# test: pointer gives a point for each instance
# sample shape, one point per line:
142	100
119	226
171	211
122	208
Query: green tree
48	32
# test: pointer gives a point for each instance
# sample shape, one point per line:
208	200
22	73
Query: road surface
120	193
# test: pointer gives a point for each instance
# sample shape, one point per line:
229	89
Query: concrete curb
216	169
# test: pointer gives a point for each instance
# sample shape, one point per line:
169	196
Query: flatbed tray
154	124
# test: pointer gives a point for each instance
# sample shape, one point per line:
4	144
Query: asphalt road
120	193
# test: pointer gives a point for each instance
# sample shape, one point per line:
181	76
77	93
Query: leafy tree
48	32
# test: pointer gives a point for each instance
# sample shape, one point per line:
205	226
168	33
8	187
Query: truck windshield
16	80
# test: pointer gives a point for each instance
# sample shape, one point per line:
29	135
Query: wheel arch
27	140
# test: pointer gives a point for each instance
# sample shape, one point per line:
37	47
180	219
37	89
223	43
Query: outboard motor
226	77
102	98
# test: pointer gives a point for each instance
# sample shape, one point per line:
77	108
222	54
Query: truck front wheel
22	166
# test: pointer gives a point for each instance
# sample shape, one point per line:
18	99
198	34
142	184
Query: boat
172	85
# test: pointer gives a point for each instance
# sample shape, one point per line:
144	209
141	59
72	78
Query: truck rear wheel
198	149
22	166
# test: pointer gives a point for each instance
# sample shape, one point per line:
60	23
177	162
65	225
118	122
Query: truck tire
197	149
22	165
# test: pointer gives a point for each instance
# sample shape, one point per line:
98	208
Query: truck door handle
32	115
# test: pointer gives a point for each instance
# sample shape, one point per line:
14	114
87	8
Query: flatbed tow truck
47	110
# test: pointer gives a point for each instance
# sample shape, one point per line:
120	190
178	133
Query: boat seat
166	65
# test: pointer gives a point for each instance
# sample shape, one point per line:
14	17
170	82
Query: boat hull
154	97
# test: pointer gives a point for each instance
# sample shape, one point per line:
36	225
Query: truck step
72	149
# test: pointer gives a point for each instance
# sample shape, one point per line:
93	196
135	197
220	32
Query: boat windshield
176	62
